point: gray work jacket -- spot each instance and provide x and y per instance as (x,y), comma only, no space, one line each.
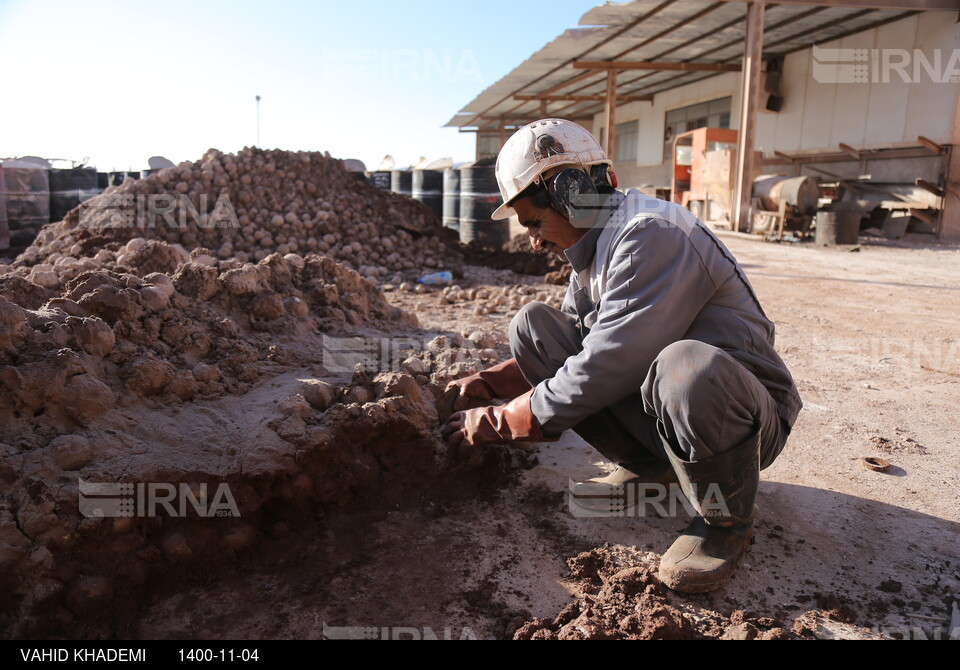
(648,274)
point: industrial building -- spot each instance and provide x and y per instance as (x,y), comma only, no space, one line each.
(859,95)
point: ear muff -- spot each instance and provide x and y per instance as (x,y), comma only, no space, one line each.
(573,194)
(603,175)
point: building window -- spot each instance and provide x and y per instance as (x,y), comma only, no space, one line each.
(626,136)
(713,114)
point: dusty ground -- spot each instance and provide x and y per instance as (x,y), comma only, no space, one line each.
(353,524)
(840,550)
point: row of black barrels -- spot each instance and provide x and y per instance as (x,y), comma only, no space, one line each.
(463,198)
(34,197)
(68,188)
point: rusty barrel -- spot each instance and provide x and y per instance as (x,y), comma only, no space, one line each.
(800,194)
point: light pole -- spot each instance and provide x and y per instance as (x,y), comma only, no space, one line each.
(258,120)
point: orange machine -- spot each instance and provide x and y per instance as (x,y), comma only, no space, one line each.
(689,165)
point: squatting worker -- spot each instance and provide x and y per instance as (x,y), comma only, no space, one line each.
(661,356)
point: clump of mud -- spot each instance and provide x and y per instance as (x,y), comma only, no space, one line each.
(622,599)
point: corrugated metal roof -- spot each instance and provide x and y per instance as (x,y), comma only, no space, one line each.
(676,31)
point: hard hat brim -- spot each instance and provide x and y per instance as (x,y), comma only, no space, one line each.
(504,211)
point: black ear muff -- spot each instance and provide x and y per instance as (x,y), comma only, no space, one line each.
(602,175)
(574,194)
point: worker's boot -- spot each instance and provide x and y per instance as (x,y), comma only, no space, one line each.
(638,473)
(722,489)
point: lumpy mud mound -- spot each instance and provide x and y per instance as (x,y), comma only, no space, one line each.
(324,447)
(113,339)
(245,206)
(173,385)
(622,599)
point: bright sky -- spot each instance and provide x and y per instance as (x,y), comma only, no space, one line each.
(119,81)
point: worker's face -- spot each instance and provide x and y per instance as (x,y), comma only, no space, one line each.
(547,228)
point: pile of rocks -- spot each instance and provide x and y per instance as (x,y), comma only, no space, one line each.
(247,206)
(487,300)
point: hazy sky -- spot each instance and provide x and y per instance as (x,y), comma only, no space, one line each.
(119,81)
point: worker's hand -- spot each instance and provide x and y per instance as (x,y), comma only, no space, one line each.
(462,394)
(492,425)
(503,380)
(471,428)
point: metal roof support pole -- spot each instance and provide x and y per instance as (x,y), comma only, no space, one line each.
(503,132)
(611,107)
(543,109)
(749,96)
(949,228)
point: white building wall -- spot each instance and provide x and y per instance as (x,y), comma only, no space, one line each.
(930,110)
(816,116)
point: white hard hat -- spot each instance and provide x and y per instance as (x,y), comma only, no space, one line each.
(536,148)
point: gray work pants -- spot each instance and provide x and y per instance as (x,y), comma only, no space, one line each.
(697,397)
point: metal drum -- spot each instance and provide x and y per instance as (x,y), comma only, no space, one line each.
(27,196)
(401,181)
(117,178)
(837,227)
(479,198)
(451,199)
(68,188)
(381,179)
(427,187)
(800,193)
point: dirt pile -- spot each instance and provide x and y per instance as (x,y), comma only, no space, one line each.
(217,324)
(193,501)
(194,374)
(620,598)
(112,339)
(245,206)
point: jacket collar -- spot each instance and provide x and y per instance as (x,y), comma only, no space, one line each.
(581,254)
